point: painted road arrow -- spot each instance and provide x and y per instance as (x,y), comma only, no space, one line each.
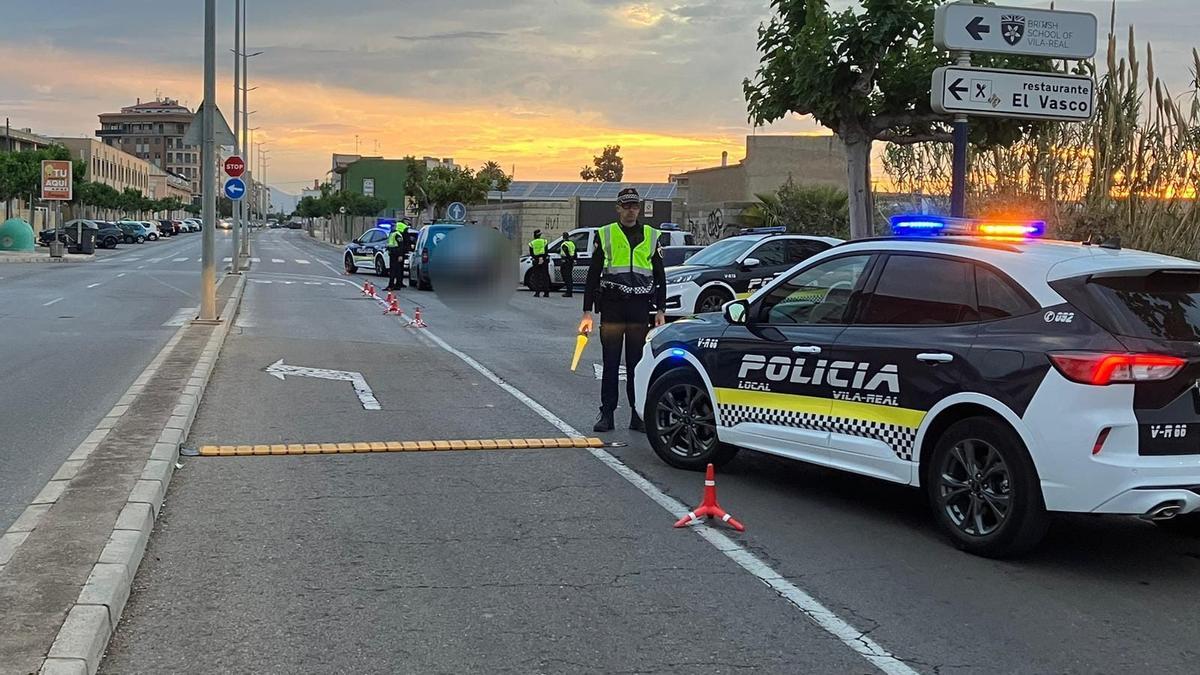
(956,90)
(977,28)
(279,369)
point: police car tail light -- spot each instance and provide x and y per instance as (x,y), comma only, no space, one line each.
(1104,368)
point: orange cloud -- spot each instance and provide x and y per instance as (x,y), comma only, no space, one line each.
(303,123)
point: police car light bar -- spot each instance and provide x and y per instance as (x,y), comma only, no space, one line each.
(763,230)
(924,225)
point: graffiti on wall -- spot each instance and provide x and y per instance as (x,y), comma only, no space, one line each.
(709,228)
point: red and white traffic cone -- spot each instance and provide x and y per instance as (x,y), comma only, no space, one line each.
(393,305)
(390,297)
(417,322)
(709,508)
(366,289)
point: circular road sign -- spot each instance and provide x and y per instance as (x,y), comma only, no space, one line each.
(457,212)
(235,166)
(235,189)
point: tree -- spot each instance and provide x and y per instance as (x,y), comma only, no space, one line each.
(444,186)
(494,175)
(415,173)
(608,167)
(865,75)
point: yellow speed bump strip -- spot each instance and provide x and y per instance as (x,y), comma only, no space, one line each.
(397,446)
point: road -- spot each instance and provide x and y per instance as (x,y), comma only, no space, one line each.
(550,561)
(74,338)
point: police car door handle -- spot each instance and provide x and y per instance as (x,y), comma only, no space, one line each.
(935,358)
(806,349)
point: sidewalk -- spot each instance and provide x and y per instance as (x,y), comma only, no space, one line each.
(40,257)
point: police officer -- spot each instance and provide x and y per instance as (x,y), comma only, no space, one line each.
(540,276)
(397,245)
(566,262)
(626,280)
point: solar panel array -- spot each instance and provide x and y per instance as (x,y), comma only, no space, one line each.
(552,191)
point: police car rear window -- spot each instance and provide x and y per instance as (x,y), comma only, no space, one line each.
(1163,305)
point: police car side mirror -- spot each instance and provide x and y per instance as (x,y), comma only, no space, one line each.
(749,263)
(735,312)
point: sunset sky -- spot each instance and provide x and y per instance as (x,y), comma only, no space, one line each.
(541,85)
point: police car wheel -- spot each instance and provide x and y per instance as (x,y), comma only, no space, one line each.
(1187,524)
(349,263)
(380,271)
(984,490)
(711,301)
(681,423)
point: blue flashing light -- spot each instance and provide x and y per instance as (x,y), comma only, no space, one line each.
(780,229)
(924,225)
(678,352)
(918,225)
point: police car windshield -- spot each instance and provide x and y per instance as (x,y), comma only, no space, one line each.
(721,253)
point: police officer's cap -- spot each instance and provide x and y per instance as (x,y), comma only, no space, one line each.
(628,196)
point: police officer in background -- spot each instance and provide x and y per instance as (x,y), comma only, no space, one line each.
(397,246)
(540,273)
(625,281)
(566,262)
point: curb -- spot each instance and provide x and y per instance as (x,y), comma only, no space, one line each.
(83,638)
(9,258)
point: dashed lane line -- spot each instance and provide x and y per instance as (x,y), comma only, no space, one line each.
(54,301)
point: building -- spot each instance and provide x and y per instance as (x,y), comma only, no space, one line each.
(154,132)
(314,191)
(712,199)
(557,207)
(165,185)
(22,140)
(376,177)
(110,166)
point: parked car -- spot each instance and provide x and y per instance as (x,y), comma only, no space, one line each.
(169,227)
(135,233)
(677,255)
(427,242)
(224,224)
(295,225)
(152,231)
(369,250)
(105,235)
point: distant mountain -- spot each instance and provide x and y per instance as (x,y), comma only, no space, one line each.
(283,202)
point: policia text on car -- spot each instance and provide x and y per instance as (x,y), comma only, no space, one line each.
(625,277)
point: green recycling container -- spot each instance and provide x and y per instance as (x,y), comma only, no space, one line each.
(16,235)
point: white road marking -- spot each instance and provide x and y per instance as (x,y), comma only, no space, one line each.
(279,369)
(855,639)
(278,260)
(141,267)
(302,262)
(120,275)
(598,369)
(132,259)
(255,260)
(313,283)
(154,260)
(52,302)
(227,260)
(334,283)
(261,281)
(182,316)
(180,260)
(94,285)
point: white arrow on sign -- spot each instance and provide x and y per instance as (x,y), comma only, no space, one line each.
(1013,93)
(1015,30)
(365,395)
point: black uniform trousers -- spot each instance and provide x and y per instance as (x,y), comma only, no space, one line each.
(540,276)
(623,327)
(568,275)
(396,267)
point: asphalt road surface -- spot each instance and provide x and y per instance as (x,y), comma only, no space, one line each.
(73,338)
(548,560)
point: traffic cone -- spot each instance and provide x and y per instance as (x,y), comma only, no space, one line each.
(417,322)
(366,289)
(709,508)
(390,297)
(393,305)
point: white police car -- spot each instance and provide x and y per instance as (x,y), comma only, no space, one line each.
(735,267)
(1007,377)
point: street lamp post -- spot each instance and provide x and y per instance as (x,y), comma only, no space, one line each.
(208,164)
(236,267)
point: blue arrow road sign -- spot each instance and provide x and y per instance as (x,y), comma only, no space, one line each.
(457,212)
(235,188)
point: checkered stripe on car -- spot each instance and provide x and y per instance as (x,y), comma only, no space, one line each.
(900,438)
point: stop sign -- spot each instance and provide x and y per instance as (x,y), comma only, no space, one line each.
(235,166)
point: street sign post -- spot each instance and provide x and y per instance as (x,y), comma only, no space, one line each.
(1015,30)
(457,212)
(1013,93)
(57,179)
(235,189)
(235,166)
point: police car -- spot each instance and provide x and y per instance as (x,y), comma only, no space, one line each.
(369,249)
(735,267)
(1005,376)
